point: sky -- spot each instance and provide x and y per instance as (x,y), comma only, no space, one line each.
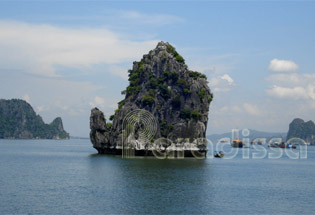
(66,57)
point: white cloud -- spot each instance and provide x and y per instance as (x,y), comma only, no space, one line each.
(229,109)
(277,65)
(97,102)
(27,98)
(292,79)
(126,18)
(40,108)
(289,93)
(252,109)
(236,109)
(227,78)
(119,71)
(38,48)
(150,19)
(221,83)
(221,80)
(286,79)
(210,64)
(311,91)
(292,86)
(221,89)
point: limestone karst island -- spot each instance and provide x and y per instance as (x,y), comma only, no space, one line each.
(178,98)
(18,120)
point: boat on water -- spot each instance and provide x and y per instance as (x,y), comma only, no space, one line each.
(282,145)
(219,154)
(274,145)
(224,140)
(256,143)
(237,143)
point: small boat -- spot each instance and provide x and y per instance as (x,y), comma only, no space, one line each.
(284,145)
(223,140)
(237,143)
(274,145)
(219,154)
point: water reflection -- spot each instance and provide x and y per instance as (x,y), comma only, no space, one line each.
(157,186)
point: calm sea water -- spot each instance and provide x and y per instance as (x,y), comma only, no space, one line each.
(67,177)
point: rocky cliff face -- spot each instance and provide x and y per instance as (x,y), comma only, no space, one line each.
(162,84)
(100,133)
(19,121)
(304,130)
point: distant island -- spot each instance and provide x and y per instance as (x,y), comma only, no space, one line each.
(303,130)
(18,120)
(253,134)
(297,129)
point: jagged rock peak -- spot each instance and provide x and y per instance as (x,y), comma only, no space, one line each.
(57,123)
(163,46)
(97,120)
(164,50)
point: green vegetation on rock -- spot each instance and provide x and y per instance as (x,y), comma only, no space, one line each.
(153,83)
(182,83)
(111,117)
(148,100)
(176,102)
(109,125)
(121,103)
(164,91)
(185,114)
(165,128)
(196,115)
(196,75)
(188,114)
(173,75)
(210,98)
(172,50)
(180,59)
(187,91)
(202,93)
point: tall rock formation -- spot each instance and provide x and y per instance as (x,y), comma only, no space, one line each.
(19,121)
(162,84)
(303,130)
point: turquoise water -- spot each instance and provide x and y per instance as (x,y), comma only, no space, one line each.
(67,177)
